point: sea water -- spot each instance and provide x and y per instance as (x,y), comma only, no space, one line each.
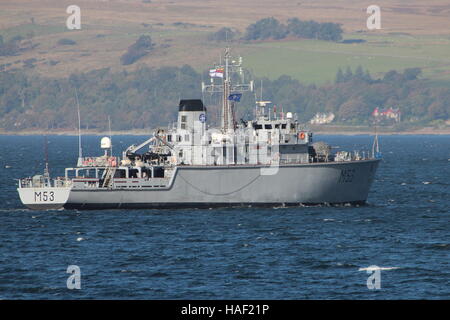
(318,252)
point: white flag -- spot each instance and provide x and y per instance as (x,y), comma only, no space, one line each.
(216,73)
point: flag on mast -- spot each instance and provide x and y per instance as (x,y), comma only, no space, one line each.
(216,73)
(235,97)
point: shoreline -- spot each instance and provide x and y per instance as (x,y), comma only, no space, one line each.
(346,131)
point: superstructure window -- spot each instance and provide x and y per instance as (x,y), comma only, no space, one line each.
(169,138)
(268,126)
(146,173)
(158,172)
(133,173)
(183,122)
(120,173)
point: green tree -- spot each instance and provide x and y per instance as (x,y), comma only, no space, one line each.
(267,28)
(136,51)
(223,34)
(330,32)
(354,109)
(439,110)
(348,75)
(339,76)
(359,73)
(412,73)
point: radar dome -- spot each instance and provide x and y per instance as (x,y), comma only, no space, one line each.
(105,143)
(289,115)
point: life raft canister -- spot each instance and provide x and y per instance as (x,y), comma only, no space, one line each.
(88,162)
(301,135)
(112,162)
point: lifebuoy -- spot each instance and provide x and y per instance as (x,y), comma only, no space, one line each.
(301,135)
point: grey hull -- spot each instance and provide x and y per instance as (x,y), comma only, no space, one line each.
(214,186)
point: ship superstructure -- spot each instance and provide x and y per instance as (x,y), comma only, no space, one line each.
(268,160)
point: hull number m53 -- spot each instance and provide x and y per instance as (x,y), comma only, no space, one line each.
(44,196)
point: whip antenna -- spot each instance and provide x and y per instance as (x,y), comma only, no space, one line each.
(80,150)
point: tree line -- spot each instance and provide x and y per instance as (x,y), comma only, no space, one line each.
(271,28)
(148,97)
(137,50)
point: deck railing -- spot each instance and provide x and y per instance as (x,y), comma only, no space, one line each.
(99,162)
(59,182)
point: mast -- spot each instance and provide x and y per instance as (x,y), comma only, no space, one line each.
(46,171)
(375,146)
(110,139)
(229,67)
(227,123)
(80,151)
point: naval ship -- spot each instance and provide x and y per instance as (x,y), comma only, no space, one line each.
(270,160)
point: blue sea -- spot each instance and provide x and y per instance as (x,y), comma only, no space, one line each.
(316,252)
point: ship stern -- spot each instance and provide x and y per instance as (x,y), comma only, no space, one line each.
(44,198)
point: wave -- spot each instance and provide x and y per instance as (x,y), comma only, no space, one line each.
(373,268)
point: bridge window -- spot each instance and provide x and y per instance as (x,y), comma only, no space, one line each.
(158,172)
(133,173)
(146,173)
(120,173)
(183,122)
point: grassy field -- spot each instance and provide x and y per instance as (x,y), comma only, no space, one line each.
(414,34)
(318,61)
